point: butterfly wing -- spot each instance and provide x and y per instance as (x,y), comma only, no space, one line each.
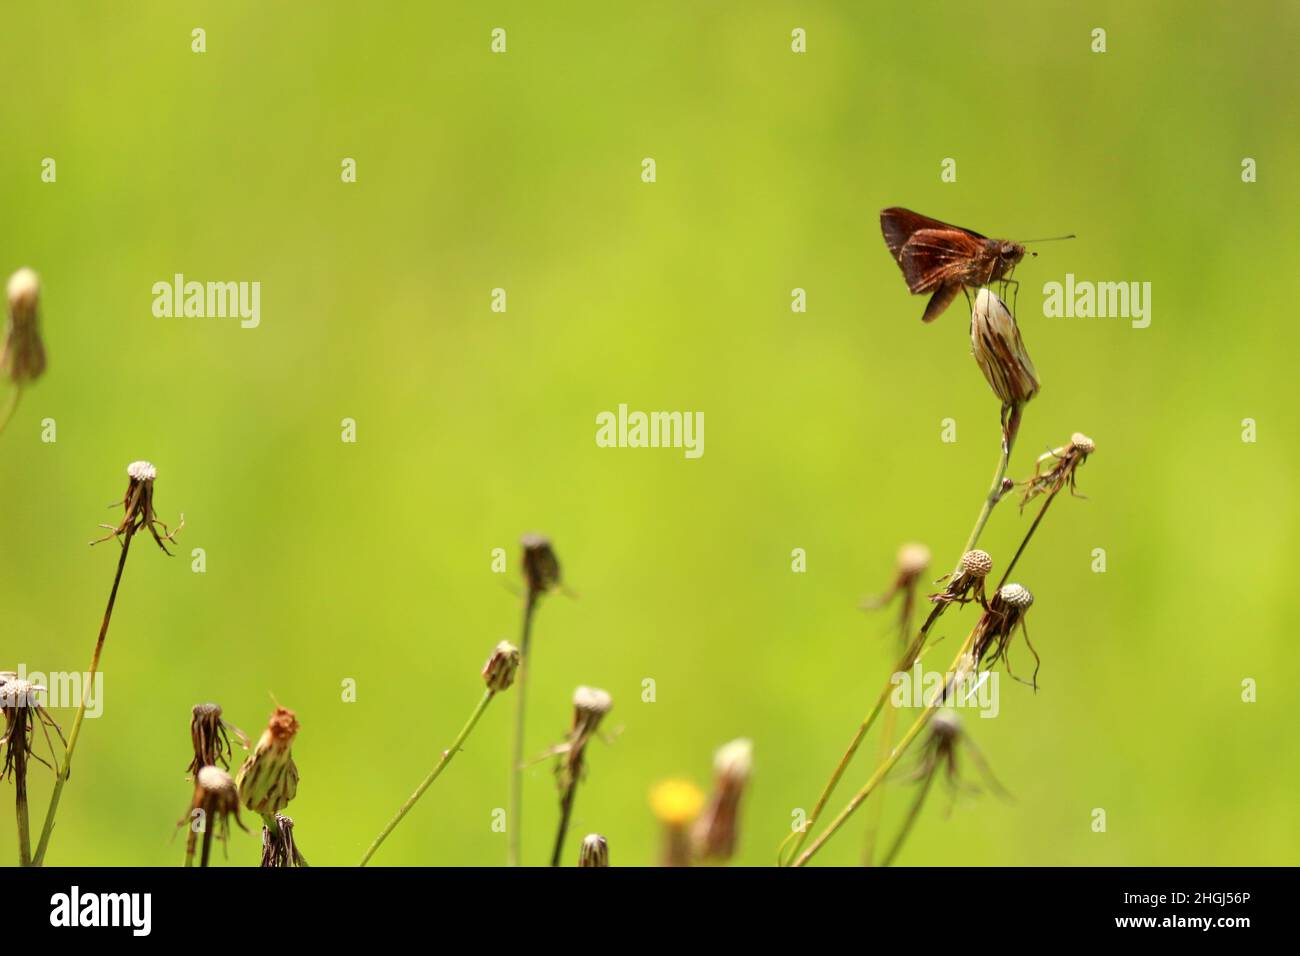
(898,225)
(935,257)
(941,299)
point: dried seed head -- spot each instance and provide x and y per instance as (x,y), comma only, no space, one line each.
(141,471)
(676,803)
(500,669)
(913,559)
(590,705)
(268,779)
(22,356)
(594,852)
(210,736)
(218,784)
(279,849)
(977,563)
(541,567)
(1083,443)
(1000,352)
(1016,596)
(217,796)
(714,835)
(137,507)
(946,725)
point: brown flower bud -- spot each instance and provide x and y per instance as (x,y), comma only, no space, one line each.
(714,835)
(594,852)
(268,779)
(541,567)
(500,669)
(1000,352)
(22,357)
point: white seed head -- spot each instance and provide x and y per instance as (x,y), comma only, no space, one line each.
(735,759)
(19,693)
(1082,442)
(913,559)
(23,290)
(592,700)
(977,563)
(946,724)
(215,780)
(1016,595)
(141,471)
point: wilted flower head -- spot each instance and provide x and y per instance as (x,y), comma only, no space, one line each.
(590,705)
(676,803)
(138,510)
(1064,462)
(909,565)
(23,713)
(210,736)
(278,847)
(1000,352)
(714,834)
(500,669)
(594,851)
(268,779)
(541,566)
(22,356)
(967,583)
(1006,612)
(215,801)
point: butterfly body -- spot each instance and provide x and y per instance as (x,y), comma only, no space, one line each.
(942,259)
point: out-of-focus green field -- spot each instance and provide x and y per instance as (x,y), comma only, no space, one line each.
(371,561)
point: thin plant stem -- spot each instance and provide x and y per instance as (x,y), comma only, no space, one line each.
(10,407)
(1028,534)
(888,730)
(20,804)
(910,820)
(64,771)
(566,808)
(888,764)
(190,842)
(207,843)
(514,815)
(1010,429)
(424,784)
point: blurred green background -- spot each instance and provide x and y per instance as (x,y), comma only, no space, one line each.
(371,561)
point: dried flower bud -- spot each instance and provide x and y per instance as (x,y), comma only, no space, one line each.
(216,800)
(541,567)
(968,583)
(1015,596)
(594,852)
(22,357)
(590,705)
(500,669)
(210,736)
(910,564)
(20,702)
(993,632)
(945,725)
(714,834)
(279,849)
(913,559)
(977,563)
(1000,352)
(1062,473)
(268,780)
(137,507)
(1083,443)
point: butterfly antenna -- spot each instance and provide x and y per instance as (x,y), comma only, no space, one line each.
(1050,239)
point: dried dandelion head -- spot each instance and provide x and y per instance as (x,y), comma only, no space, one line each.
(676,804)
(715,833)
(594,851)
(20,702)
(1062,464)
(590,705)
(1000,352)
(268,779)
(909,566)
(500,669)
(138,510)
(541,566)
(1006,612)
(216,799)
(210,736)
(22,356)
(278,847)
(967,583)
(941,750)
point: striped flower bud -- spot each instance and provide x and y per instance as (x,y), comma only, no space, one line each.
(268,780)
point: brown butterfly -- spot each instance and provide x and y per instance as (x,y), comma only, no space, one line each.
(943,259)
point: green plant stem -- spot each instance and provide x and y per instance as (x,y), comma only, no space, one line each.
(888,730)
(10,407)
(424,784)
(64,771)
(1009,432)
(514,813)
(888,764)
(911,818)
